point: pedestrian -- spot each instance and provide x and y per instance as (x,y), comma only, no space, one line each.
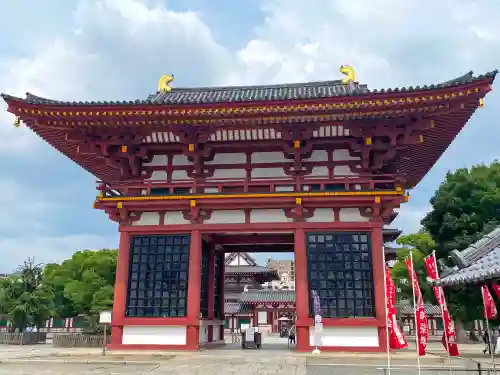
(494,340)
(486,339)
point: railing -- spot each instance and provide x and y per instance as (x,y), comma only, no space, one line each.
(245,185)
(78,340)
(25,338)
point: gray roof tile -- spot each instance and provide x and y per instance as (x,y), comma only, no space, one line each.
(234,94)
(477,263)
(249,270)
(405,308)
(268,296)
(233,308)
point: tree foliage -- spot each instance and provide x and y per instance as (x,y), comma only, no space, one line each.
(24,299)
(464,208)
(84,283)
(420,244)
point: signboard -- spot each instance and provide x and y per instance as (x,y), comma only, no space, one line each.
(318,319)
(105,317)
(244,326)
(249,334)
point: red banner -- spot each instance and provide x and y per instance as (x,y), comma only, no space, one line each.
(449,339)
(490,310)
(422,329)
(396,337)
(496,289)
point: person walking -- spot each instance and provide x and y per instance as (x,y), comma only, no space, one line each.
(486,340)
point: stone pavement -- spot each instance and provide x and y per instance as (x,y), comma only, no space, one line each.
(274,358)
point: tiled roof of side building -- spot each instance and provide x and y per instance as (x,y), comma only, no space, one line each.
(233,308)
(235,94)
(479,262)
(405,308)
(248,269)
(268,296)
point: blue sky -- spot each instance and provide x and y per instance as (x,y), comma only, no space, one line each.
(117,49)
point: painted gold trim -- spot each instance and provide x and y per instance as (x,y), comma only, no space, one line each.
(256,195)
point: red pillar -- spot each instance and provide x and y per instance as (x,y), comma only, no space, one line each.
(378,284)
(194,282)
(211,291)
(121,287)
(301,291)
(222,283)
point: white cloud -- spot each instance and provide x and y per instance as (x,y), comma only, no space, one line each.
(49,249)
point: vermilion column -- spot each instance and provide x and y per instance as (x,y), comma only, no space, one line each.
(121,286)
(211,291)
(378,284)
(301,291)
(194,283)
(222,269)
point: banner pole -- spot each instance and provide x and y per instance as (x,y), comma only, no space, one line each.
(492,349)
(412,276)
(387,336)
(441,306)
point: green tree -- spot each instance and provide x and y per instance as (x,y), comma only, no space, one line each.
(420,244)
(464,208)
(84,283)
(24,300)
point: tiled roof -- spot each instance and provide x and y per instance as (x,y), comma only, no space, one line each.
(233,308)
(406,308)
(247,257)
(248,270)
(294,91)
(268,296)
(479,262)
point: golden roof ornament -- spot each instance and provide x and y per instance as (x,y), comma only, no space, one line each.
(17,122)
(164,83)
(349,72)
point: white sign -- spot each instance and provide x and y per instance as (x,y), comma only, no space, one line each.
(244,326)
(262,317)
(105,317)
(318,319)
(249,334)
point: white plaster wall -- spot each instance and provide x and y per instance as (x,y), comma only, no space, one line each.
(269,216)
(229,173)
(351,214)
(343,170)
(318,155)
(158,160)
(231,158)
(180,175)
(216,333)
(180,160)
(345,336)
(226,217)
(154,335)
(319,172)
(268,172)
(148,218)
(322,215)
(268,157)
(203,336)
(174,217)
(158,176)
(239,261)
(343,154)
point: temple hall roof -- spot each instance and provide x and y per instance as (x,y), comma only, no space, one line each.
(232,94)
(248,270)
(266,295)
(480,262)
(405,308)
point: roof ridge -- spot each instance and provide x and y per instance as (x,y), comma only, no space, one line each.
(242,94)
